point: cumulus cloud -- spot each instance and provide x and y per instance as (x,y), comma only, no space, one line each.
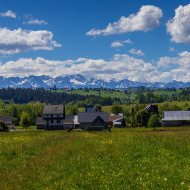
(117,44)
(147,18)
(178,27)
(9,14)
(136,52)
(35,22)
(121,66)
(19,40)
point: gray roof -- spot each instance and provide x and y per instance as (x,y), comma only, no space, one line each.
(69,119)
(6,119)
(89,117)
(176,115)
(53,109)
(40,120)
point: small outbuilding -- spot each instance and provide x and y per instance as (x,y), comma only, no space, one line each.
(116,120)
(40,123)
(8,120)
(176,118)
(69,122)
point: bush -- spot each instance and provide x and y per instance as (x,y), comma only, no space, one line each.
(25,119)
(3,127)
(154,121)
(142,118)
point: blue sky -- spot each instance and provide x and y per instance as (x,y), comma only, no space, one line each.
(150,42)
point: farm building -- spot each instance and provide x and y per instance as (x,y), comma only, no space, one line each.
(40,123)
(93,120)
(53,117)
(8,120)
(116,120)
(152,109)
(176,118)
(69,122)
(95,108)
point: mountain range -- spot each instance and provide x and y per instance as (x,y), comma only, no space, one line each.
(79,81)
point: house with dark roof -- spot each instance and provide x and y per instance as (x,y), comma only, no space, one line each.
(93,120)
(176,118)
(69,122)
(40,123)
(53,117)
(8,120)
(152,109)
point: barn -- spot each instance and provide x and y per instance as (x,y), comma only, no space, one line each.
(93,120)
(8,120)
(176,118)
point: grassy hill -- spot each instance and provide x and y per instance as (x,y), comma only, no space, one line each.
(123,159)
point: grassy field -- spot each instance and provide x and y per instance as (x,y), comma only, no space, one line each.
(181,105)
(119,94)
(123,159)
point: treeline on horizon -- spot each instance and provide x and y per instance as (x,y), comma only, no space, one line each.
(27,95)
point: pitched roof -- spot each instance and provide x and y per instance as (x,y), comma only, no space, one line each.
(40,120)
(53,109)
(176,115)
(114,117)
(89,117)
(151,108)
(7,119)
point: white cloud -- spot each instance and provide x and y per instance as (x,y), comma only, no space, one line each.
(146,19)
(117,44)
(121,66)
(128,41)
(35,22)
(19,40)
(9,14)
(136,52)
(178,27)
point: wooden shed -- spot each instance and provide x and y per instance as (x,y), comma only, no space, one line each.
(176,118)
(93,120)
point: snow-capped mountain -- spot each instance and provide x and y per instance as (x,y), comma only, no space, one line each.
(79,81)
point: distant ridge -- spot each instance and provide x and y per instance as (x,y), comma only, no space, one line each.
(79,81)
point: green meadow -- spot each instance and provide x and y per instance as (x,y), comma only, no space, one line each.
(123,159)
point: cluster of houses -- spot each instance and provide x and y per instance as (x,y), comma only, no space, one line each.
(93,118)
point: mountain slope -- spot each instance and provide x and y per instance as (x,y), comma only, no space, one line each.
(79,81)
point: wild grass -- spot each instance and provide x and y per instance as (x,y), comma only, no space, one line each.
(123,159)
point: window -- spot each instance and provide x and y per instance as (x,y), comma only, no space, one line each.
(58,121)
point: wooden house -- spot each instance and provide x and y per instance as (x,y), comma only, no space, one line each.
(93,120)
(54,116)
(8,120)
(40,123)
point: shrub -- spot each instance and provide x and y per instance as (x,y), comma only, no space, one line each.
(25,119)
(142,118)
(154,121)
(3,127)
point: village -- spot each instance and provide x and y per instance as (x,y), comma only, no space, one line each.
(94,119)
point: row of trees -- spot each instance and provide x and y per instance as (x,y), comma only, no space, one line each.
(155,97)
